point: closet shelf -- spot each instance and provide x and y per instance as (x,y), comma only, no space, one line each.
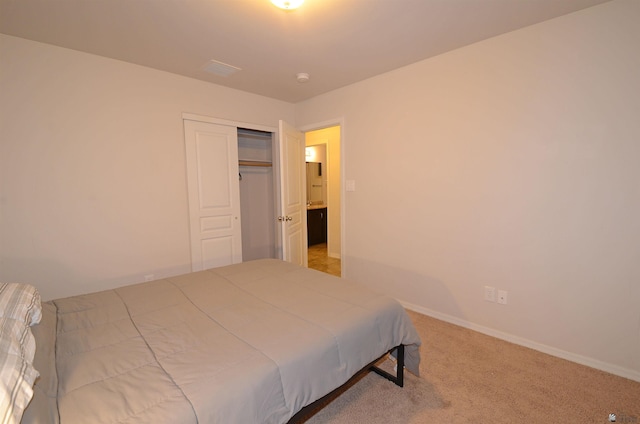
(253,163)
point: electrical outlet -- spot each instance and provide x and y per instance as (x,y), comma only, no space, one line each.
(489,294)
(149,277)
(502,297)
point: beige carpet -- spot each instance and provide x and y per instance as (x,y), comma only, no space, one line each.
(468,377)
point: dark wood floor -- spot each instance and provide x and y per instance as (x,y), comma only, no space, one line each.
(319,259)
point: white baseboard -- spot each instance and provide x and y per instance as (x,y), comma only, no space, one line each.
(583,360)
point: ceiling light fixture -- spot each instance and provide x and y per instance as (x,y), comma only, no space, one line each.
(302,77)
(287,4)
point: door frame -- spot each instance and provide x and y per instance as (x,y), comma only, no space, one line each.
(276,164)
(227,122)
(319,126)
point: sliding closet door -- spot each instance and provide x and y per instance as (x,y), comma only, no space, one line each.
(214,194)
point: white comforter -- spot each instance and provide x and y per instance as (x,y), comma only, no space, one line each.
(247,343)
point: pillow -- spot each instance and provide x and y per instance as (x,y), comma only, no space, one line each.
(17,374)
(43,408)
(19,309)
(20,302)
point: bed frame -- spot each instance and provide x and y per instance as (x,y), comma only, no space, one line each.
(398,379)
(397,352)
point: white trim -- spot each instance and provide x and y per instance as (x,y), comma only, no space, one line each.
(239,124)
(322,125)
(573,357)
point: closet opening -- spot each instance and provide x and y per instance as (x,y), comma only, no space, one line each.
(257,194)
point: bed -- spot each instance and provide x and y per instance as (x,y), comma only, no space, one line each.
(246,343)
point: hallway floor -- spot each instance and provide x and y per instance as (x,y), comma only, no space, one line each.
(319,259)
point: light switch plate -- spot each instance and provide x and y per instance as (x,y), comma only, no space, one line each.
(351,185)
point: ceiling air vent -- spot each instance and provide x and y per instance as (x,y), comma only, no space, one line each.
(221,69)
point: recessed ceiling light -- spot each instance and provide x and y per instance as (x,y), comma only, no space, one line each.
(287,4)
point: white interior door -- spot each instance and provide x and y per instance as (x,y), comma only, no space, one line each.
(214,194)
(293,218)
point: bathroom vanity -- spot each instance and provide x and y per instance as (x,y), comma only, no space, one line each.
(316,224)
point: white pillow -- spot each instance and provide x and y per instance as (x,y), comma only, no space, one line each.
(19,309)
(17,374)
(20,302)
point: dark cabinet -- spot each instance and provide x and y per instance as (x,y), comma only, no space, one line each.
(317,226)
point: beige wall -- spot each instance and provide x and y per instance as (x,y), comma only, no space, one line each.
(511,163)
(93,188)
(331,138)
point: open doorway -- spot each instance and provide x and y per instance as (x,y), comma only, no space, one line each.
(324,231)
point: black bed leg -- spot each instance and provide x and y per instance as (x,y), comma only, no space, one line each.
(400,371)
(398,379)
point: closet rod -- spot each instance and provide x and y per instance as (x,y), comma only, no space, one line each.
(253,163)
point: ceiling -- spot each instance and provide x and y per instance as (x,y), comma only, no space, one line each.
(338,42)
